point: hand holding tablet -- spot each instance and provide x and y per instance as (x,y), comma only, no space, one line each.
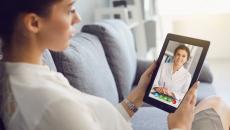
(184,115)
(178,68)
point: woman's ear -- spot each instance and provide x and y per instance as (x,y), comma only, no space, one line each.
(32,22)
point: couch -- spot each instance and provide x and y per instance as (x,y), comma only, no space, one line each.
(102,61)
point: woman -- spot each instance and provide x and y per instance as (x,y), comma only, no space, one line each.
(35,98)
(173,79)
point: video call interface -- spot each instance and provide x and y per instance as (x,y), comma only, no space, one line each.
(175,73)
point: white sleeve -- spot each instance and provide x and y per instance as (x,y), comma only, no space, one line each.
(66,114)
(181,94)
(123,112)
(158,76)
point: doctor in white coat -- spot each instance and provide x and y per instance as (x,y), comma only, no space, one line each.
(173,79)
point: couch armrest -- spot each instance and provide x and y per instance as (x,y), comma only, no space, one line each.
(205,90)
(142,65)
(206,74)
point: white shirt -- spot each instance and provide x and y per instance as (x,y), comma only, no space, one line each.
(177,82)
(46,101)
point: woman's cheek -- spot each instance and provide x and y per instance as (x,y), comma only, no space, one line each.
(61,34)
(63,29)
(68,29)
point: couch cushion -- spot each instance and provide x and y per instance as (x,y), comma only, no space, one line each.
(118,43)
(48,60)
(205,90)
(206,74)
(150,118)
(85,66)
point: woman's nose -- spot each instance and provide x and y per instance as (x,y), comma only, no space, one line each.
(180,58)
(76,18)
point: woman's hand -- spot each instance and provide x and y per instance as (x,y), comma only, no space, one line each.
(184,115)
(159,89)
(170,93)
(164,90)
(137,94)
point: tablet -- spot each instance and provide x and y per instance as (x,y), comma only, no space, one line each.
(178,68)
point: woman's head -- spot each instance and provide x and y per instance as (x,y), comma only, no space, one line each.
(181,55)
(47,23)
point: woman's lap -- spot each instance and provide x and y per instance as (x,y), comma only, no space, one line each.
(207,120)
(217,110)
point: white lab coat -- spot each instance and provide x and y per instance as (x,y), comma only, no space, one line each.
(178,82)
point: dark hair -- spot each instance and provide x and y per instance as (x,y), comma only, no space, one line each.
(183,47)
(10,10)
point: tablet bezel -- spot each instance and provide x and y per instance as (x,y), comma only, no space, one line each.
(182,39)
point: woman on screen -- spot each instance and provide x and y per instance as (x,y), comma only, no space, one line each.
(173,79)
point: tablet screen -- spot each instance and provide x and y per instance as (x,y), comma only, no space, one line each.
(175,72)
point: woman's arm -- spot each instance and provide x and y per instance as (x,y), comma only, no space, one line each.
(137,94)
(182,118)
(180,95)
(66,114)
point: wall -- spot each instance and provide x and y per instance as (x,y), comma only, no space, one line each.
(195,53)
(86,9)
(215,28)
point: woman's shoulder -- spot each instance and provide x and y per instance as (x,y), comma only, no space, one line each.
(166,65)
(55,106)
(41,88)
(189,75)
(186,73)
(35,95)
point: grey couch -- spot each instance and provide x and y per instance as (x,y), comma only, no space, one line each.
(102,61)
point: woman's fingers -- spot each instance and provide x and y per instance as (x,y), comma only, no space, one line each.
(168,92)
(150,69)
(146,76)
(191,95)
(165,91)
(157,89)
(183,116)
(193,101)
(161,90)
